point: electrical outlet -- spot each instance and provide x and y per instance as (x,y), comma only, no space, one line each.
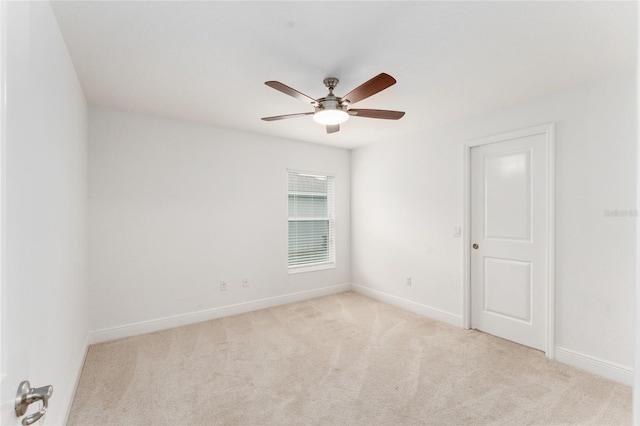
(223,286)
(245,282)
(408,281)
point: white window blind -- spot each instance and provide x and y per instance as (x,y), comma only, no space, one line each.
(311,220)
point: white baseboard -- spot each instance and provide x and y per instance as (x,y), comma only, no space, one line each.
(617,373)
(144,327)
(409,305)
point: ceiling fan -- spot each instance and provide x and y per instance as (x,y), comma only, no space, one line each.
(333,110)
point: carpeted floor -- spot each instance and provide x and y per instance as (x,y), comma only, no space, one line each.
(338,360)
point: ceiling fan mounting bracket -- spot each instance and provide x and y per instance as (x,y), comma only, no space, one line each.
(331,83)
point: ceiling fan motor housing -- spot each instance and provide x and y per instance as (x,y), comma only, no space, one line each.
(330,103)
(330,111)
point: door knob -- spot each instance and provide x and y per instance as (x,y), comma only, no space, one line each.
(27,395)
(475,246)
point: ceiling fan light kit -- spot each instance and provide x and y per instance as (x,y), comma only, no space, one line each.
(330,116)
(331,110)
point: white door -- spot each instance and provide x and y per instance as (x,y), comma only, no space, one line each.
(19,322)
(510,222)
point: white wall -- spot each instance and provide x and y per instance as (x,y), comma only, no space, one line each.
(407,197)
(44,294)
(176,207)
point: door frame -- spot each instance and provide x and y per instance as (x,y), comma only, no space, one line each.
(548,130)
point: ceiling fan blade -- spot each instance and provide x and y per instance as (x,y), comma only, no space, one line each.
(282,117)
(332,128)
(377,113)
(369,88)
(289,91)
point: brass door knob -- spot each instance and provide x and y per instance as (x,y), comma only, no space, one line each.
(475,246)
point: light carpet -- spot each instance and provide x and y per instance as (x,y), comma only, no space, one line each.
(343,359)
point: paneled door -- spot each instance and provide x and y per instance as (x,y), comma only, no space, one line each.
(510,219)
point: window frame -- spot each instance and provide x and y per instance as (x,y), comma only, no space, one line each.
(331,219)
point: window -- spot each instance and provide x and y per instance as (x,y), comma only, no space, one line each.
(311,222)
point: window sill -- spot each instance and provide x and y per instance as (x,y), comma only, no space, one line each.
(311,268)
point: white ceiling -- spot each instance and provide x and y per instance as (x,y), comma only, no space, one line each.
(208,61)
